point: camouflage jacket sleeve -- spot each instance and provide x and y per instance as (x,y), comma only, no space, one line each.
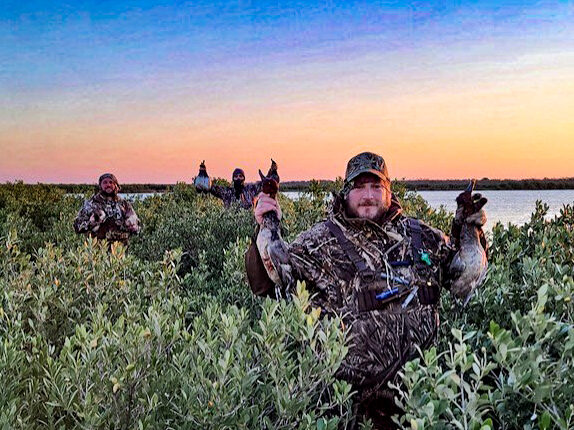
(310,261)
(250,192)
(442,250)
(313,259)
(227,194)
(131,221)
(254,187)
(218,191)
(88,218)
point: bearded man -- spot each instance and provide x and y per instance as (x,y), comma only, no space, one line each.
(378,270)
(106,215)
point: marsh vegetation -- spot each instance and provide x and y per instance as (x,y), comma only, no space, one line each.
(168,335)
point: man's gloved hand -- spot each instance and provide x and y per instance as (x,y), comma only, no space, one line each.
(469,209)
(96,219)
(264,204)
(429,293)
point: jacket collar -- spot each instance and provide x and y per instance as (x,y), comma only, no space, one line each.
(100,197)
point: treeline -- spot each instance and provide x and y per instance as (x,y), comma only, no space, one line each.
(454,184)
(125,188)
(324,184)
(491,184)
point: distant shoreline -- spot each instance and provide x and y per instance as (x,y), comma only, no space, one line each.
(410,184)
(458,184)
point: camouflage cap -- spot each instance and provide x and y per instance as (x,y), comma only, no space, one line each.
(238,171)
(366,162)
(110,176)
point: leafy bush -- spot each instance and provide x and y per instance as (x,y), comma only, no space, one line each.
(38,213)
(521,321)
(97,339)
(447,389)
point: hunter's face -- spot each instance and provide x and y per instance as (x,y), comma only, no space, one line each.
(369,198)
(108,186)
(238,178)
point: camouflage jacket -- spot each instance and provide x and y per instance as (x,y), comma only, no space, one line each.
(105,218)
(227,194)
(383,334)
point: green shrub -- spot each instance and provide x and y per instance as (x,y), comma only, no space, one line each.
(521,322)
(447,389)
(38,214)
(195,223)
(94,339)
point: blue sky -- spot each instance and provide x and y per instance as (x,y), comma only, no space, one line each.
(72,64)
(51,44)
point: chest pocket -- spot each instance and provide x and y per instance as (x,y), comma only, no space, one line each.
(375,290)
(379,295)
(113,210)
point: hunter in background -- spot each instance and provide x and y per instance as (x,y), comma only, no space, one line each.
(239,193)
(106,215)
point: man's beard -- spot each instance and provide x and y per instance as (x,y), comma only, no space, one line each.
(377,214)
(106,194)
(238,187)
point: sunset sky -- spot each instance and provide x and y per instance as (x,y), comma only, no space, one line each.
(147,90)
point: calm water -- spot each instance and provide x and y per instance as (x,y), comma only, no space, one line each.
(514,206)
(136,196)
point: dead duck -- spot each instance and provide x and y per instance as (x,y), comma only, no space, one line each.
(202,181)
(469,265)
(272,173)
(270,244)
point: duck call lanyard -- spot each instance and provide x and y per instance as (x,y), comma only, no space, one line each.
(419,255)
(369,299)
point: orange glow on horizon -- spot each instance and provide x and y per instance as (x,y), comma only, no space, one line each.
(505,130)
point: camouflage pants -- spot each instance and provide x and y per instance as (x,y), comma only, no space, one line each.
(377,406)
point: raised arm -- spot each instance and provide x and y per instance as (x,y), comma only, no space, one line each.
(260,266)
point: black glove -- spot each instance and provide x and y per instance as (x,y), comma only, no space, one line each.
(469,209)
(428,293)
(467,205)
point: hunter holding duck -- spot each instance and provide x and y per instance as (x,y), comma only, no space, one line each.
(379,270)
(238,193)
